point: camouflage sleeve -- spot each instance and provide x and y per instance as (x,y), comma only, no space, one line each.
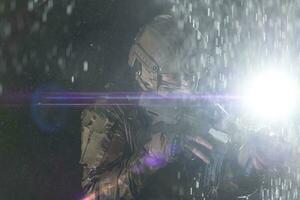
(99,145)
(109,172)
(122,182)
(126,180)
(110,185)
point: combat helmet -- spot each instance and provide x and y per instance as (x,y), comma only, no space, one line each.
(159,56)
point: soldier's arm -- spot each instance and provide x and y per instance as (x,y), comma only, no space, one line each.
(126,180)
(99,146)
(107,173)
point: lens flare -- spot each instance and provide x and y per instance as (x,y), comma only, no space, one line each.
(271,95)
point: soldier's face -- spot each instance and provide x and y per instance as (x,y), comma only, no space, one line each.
(151,79)
(164,84)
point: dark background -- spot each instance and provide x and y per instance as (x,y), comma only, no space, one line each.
(43,44)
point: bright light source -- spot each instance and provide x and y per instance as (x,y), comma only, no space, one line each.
(271,95)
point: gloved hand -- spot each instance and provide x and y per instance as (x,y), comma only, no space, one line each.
(166,146)
(169,142)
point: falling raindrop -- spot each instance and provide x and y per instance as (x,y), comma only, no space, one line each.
(69,9)
(50,4)
(85,66)
(1,89)
(30,6)
(44,16)
(47,69)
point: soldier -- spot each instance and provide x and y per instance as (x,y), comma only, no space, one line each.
(121,147)
(126,149)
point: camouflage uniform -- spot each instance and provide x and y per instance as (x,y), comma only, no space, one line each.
(107,145)
(122,158)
